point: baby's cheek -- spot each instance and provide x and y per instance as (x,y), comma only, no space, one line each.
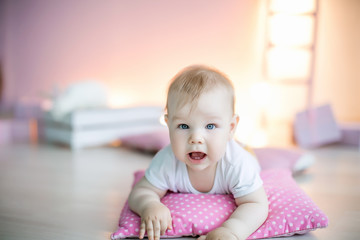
(178,147)
(218,146)
(177,139)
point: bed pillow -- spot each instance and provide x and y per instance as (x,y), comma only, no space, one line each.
(293,159)
(148,142)
(291,211)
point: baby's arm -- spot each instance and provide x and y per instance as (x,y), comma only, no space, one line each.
(251,212)
(144,199)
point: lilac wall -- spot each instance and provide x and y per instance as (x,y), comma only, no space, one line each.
(134,47)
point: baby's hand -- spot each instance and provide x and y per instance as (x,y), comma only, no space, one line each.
(155,219)
(219,234)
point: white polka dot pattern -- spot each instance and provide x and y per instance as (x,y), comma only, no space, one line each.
(291,211)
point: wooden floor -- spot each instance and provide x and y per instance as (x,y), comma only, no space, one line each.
(49,192)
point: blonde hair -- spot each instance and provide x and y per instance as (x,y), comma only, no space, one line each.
(192,81)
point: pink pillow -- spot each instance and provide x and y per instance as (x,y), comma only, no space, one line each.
(291,211)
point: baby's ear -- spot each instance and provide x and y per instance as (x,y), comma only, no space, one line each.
(166,119)
(233,125)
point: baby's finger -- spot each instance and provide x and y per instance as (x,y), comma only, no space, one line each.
(163,227)
(203,237)
(169,225)
(157,229)
(150,231)
(142,230)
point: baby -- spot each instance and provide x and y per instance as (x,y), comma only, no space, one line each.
(202,158)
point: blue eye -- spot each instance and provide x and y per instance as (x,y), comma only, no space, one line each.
(210,126)
(183,126)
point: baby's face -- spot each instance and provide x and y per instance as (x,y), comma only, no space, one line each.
(199,133)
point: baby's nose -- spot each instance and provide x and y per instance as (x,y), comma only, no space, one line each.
(196,138)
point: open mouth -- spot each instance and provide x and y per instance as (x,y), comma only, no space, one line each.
(196,156)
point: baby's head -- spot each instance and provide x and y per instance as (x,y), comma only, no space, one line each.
(200,116)
(190,83)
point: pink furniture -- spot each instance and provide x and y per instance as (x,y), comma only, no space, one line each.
(350,134)
(316,127)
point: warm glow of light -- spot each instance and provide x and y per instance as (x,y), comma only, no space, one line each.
(292,6)
(259,139)
(260,92)
(286,63)
(245,129)
(116,100)
(249,134)
(287,30)
(291,29)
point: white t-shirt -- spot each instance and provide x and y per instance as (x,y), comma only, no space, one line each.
(237,172)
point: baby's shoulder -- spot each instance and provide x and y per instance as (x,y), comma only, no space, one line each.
(165,152)
(236,156)
(235,152)
(164,157)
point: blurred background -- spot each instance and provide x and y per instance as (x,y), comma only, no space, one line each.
(283,56)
